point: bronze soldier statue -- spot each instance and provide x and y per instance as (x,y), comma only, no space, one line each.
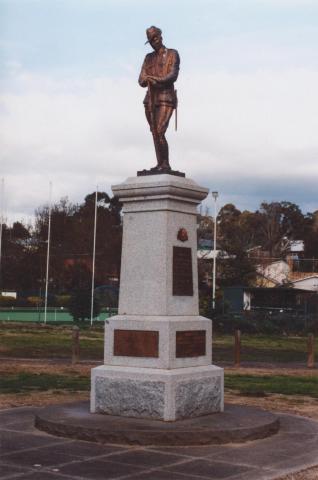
(159,72)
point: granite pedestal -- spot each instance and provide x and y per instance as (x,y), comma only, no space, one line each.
(158,350)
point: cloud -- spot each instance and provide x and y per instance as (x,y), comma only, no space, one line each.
(246,134)
(285,3)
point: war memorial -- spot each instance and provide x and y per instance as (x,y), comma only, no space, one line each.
(158,384)
(156,408)
(158,348)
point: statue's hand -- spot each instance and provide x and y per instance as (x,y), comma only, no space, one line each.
(152,80)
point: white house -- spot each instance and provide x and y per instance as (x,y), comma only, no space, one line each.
(276,272)
(307,283)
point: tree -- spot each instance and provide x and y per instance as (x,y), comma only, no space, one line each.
(72,229)
(16,245)
(311,235)
(80,305)
(237,270)
(236,236)
(280,221)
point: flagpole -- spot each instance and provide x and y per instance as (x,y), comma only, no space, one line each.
(48,255)
(94,254)
(1,228)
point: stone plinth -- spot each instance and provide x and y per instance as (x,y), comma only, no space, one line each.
(158,394)
(155,208)
(158,350)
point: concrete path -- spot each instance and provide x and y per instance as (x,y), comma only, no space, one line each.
(30,454)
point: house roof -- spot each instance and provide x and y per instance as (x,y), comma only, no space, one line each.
(305,278)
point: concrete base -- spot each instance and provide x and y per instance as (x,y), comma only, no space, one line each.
(158,394)
(237,424)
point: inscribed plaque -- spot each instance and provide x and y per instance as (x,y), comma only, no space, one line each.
(182,280)
(190,343)
(136,343)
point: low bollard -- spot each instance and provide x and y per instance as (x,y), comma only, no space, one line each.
(237,348)
(75,345)
(311,351)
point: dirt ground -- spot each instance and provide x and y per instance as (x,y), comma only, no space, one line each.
(296,405)
(45,366)
(310,474)
(300,405)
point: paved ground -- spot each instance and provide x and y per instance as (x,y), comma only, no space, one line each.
(30,454)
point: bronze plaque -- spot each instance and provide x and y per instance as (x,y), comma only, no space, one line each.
(190,343)
(182,271)
(136,343)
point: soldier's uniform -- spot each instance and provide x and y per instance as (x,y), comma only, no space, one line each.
(161,98)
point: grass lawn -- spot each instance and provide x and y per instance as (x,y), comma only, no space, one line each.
(262,348)
(261,385)
(244,384)
(26,382)
(39,341)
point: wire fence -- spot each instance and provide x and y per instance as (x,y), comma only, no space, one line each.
(54,315)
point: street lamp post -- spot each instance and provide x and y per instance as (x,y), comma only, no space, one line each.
(215,196)
(1,228)
(48,256)
(94,254)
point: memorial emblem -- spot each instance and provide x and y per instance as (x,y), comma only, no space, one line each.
(182,235)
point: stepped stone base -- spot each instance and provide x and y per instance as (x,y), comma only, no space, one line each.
(158,349)
(157,393)
(237,424)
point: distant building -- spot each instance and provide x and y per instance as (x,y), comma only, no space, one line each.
(9,294)
(205,244)
(292,269)
(296,246)
(272,274)
(282,299)
(309,283)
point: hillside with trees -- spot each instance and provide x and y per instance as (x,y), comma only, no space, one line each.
(242,237)
(24,247)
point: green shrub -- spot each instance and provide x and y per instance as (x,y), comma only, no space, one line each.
(205,306)
(80,306)
(7,301)
(62,300)
(35,301)
(22,302)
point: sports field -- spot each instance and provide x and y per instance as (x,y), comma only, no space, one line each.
(54,315)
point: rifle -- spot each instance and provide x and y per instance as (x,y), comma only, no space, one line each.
(176,114)
(152,107)
(153,120)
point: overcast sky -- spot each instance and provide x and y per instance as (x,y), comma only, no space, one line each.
(71,109)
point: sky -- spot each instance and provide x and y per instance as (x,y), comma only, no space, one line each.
(71,109)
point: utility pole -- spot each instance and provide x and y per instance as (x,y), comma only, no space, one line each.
(215,197)
(1,228)
(94,254)
(48,254)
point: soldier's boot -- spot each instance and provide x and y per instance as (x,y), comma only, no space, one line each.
(163,163)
